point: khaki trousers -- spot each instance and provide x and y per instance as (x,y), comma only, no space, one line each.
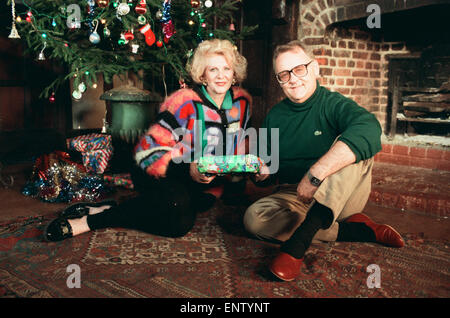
(276,217)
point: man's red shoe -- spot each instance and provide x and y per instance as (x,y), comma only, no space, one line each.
(384,233)
(286,267)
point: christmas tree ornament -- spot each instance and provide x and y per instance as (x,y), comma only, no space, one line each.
(142,20)
(166,11)
(141,8)
(159,43)
(76,94)
(81,87)
(208,3)
(231,27)
(122,40)
(90,19)
(52,99)
(103,3)
(106,31)
(134,48)
(159,15)
(168,30)
(167,25)
(94,37)
(195,3)
(129,36)
(123,9)
(14,34)
(148,33)
(41,56)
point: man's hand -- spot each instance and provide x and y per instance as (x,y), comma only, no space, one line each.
(263,174)
(197,176)
(305,190)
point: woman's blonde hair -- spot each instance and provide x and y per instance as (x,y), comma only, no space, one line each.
(196,66)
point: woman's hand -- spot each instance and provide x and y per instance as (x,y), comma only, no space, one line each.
(197,176)
(263,174)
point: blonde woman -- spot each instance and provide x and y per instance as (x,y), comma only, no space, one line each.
(172,191)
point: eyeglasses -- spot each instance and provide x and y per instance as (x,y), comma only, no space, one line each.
(299,71)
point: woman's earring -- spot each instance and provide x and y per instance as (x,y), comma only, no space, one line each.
(234,81)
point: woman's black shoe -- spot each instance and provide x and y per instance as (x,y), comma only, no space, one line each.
(80,209)
(57,230)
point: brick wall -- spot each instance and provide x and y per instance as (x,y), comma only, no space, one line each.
(353,60)
(423,157)
(355,65)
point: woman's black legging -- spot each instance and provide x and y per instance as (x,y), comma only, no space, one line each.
(165,207)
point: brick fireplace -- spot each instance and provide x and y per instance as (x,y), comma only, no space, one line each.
(357,61)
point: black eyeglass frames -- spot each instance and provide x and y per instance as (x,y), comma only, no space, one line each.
(299,71)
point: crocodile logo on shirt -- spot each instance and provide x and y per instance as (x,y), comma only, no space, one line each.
(317,133)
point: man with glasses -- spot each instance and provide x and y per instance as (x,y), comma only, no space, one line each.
(326,148)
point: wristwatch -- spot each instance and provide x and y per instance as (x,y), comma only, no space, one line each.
(314,181)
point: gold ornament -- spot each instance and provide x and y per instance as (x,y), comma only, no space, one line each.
(14,34)
(102,3)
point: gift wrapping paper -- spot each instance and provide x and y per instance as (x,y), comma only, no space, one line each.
(229,164)
(96,151)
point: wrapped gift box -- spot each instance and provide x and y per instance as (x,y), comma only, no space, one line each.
(229,164)
(96,151)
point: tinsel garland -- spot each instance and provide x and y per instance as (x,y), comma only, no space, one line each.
(56,178)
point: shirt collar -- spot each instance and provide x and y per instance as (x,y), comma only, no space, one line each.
(227,101)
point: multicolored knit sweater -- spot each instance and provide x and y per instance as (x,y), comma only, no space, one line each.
(176,131)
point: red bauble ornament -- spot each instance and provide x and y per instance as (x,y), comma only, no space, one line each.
(129,36)
(159,43)
(52,98)
(141,8)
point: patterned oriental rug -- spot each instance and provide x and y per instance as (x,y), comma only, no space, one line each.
(216,259)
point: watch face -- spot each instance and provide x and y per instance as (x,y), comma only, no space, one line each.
(314,181)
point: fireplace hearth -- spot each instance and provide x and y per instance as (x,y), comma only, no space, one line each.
(419,91)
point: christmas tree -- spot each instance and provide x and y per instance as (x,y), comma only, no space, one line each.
(114,37)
